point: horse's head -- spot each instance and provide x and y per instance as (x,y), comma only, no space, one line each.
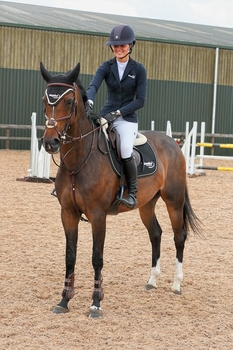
(60,103)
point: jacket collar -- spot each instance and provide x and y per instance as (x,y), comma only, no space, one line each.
(114,68)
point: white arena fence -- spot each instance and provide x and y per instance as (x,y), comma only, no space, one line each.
(189,151)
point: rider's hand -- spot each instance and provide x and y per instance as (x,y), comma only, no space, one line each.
(89,107)
(110,117)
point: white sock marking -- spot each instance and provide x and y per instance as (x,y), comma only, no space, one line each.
(155,271)
(178,278)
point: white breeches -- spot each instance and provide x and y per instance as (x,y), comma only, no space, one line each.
(128,133)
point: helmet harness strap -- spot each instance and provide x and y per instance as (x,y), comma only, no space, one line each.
(130,51)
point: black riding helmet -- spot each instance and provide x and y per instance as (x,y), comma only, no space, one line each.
(121,35)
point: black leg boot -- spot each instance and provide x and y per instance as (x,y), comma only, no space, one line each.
(130,171)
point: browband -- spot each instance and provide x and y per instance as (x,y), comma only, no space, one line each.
(57,97)
(61,84)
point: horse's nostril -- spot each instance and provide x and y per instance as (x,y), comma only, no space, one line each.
(56,142)
(51,146)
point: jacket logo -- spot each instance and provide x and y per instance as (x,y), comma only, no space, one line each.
(132,76)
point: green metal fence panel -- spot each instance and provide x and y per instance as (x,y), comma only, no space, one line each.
(21,92)
(178,102)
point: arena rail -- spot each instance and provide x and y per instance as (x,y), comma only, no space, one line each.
(9,127)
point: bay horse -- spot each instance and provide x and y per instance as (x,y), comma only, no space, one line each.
(87,184)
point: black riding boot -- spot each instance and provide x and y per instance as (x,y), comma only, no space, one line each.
(130,171)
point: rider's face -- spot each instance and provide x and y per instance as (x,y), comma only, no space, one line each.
(120,51)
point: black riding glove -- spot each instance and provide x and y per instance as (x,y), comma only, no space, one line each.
(110,117)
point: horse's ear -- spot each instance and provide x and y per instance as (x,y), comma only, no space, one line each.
(73,75)
(45,74)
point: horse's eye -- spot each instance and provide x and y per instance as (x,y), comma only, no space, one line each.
(69,102)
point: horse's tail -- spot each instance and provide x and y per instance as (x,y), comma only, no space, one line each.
(190,218)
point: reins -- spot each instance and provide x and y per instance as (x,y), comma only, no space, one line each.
(74,172)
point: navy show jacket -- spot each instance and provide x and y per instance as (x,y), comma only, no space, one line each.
(127,95)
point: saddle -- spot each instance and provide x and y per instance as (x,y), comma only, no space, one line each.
(114,139)
(143,153)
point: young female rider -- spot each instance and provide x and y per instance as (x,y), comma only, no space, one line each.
(126,87)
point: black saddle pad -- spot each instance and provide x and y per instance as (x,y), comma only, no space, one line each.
(147,164)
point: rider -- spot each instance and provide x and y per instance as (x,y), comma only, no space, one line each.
(126,87)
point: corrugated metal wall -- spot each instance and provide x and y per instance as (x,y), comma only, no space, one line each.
(171,62)
(180,78)
(23,48)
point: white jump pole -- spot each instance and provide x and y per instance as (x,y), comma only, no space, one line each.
(169,129)
(34,148)
(193,149)
(39,160)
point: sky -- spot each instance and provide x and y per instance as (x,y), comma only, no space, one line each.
(208,12)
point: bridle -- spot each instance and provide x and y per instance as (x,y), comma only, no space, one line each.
(52,122)
(63,135)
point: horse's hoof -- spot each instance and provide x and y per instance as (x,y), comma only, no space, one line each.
(60,310)
(95,312)
(149,286)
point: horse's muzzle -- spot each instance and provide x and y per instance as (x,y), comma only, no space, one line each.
(51,146)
